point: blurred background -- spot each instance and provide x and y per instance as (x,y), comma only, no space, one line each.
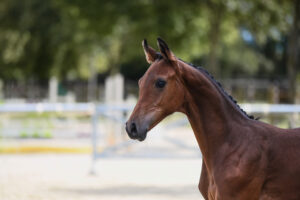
(68,82)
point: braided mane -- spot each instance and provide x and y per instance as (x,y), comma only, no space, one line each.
(219,85)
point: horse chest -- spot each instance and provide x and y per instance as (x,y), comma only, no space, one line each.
(216,189)
(234,183)
(212,190)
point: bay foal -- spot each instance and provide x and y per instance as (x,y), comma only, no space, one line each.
(242,158)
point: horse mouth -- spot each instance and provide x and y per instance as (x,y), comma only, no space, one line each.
(139,137)
(142,137)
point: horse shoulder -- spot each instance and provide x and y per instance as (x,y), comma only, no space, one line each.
(283,171)
(241,171)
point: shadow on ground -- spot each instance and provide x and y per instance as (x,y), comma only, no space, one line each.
(132,190)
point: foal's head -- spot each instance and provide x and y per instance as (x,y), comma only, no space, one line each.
(160,91)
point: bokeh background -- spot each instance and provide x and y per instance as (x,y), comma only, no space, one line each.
(68,82)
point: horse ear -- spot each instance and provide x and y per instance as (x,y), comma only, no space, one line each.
(150,53)
(165,51)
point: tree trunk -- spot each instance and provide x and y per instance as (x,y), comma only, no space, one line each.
(293,53)
(214,37)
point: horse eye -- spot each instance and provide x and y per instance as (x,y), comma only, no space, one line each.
(160,83)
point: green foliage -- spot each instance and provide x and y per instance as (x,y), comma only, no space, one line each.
(71,39)
(24,135)
(36,135)
(37,40)
(47,135)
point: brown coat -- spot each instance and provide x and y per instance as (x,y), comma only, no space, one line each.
(242,158)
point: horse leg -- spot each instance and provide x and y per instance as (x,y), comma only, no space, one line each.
(203,183)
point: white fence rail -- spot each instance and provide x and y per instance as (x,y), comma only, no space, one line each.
(91,108)
(97,110)
(60,107)
(271,108)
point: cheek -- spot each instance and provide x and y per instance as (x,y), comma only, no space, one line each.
(155,117)
(173,98)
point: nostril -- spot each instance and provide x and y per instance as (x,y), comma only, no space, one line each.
(126,126)
(133,128)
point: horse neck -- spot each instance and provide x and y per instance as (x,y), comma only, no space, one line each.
(212,115)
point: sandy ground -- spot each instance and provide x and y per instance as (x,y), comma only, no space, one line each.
(63,177)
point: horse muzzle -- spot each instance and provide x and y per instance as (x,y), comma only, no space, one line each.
(135,131)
